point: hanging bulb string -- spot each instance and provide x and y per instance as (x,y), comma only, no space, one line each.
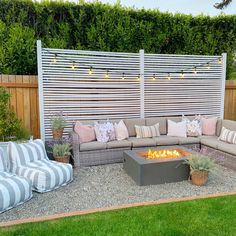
(80,65)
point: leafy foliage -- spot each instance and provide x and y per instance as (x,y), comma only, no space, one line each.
(200,162)
(58,121)
(60,150)
(97,26)
(10,125)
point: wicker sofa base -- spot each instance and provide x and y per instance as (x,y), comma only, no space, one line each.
(99,157)
(222,158)
(109,156)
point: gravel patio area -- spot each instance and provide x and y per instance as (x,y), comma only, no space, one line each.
(108,185)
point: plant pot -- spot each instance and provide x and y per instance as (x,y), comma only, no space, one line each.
(57,133)
(63,159)
(199,177)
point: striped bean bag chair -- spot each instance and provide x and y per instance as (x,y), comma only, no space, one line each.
(30,161)
(14,190)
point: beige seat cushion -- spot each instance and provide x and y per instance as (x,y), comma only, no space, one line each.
(189,140)
(160,120)
(119,144)
(166,140)
(130,124)
(91,146)
(227,147)
(142,142)
(210,142)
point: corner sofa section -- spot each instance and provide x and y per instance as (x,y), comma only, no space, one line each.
(97,153)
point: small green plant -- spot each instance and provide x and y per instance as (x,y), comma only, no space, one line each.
(58,121)
(200,163)
(60,150)
(10,126)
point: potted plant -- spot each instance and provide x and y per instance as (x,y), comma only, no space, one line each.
(58,123)
(200,166)
(61,152)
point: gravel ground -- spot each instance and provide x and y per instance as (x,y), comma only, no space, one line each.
(108,185)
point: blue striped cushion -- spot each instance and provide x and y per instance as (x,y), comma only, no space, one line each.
(14,191)
(21,154)
(46,175)
(3,160)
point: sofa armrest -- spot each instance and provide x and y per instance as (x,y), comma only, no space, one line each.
(75,147)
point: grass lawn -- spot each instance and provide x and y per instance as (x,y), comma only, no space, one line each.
(214,216)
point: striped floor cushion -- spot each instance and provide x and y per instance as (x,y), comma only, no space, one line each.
(46,175)
(14,191)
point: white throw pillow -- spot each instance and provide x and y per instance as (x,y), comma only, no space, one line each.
(121,131)
(177,129)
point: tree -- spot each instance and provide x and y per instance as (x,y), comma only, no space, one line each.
(223,4)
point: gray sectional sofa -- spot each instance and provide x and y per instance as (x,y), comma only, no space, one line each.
(97,153)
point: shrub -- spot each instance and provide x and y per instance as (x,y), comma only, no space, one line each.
(10,126)
(61,150)
(97,26)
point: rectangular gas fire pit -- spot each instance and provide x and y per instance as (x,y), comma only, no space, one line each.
(157,166)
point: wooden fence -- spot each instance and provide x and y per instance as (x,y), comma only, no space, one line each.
(24,99)
(230,100)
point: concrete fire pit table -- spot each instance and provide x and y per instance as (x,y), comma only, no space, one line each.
(146,171)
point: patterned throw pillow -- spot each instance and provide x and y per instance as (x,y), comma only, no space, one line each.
(194,127)
(147,131)
(104,132)
(228,136)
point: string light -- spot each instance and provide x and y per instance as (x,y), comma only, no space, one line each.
(90,70)
(73,65)
(123,76)
(138,78)
(182,74)
(168,76)
(107,75)
(55,59)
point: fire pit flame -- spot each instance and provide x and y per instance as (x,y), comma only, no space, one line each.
(155,154)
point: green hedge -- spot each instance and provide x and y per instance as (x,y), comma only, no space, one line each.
(98,26)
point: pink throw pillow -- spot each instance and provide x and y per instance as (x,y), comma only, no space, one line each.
(209,126)
(86,133)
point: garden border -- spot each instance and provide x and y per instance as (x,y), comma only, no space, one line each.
(117,207)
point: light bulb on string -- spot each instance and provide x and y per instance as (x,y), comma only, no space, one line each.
(154,77)
(168,76)
(55,59)
(195,70)
(90,70)
(123,76)
(107,74)
(220,60)
(208,65)
(182,74)
(73,66)
(138,78)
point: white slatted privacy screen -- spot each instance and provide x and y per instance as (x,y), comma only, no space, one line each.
(84,96)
